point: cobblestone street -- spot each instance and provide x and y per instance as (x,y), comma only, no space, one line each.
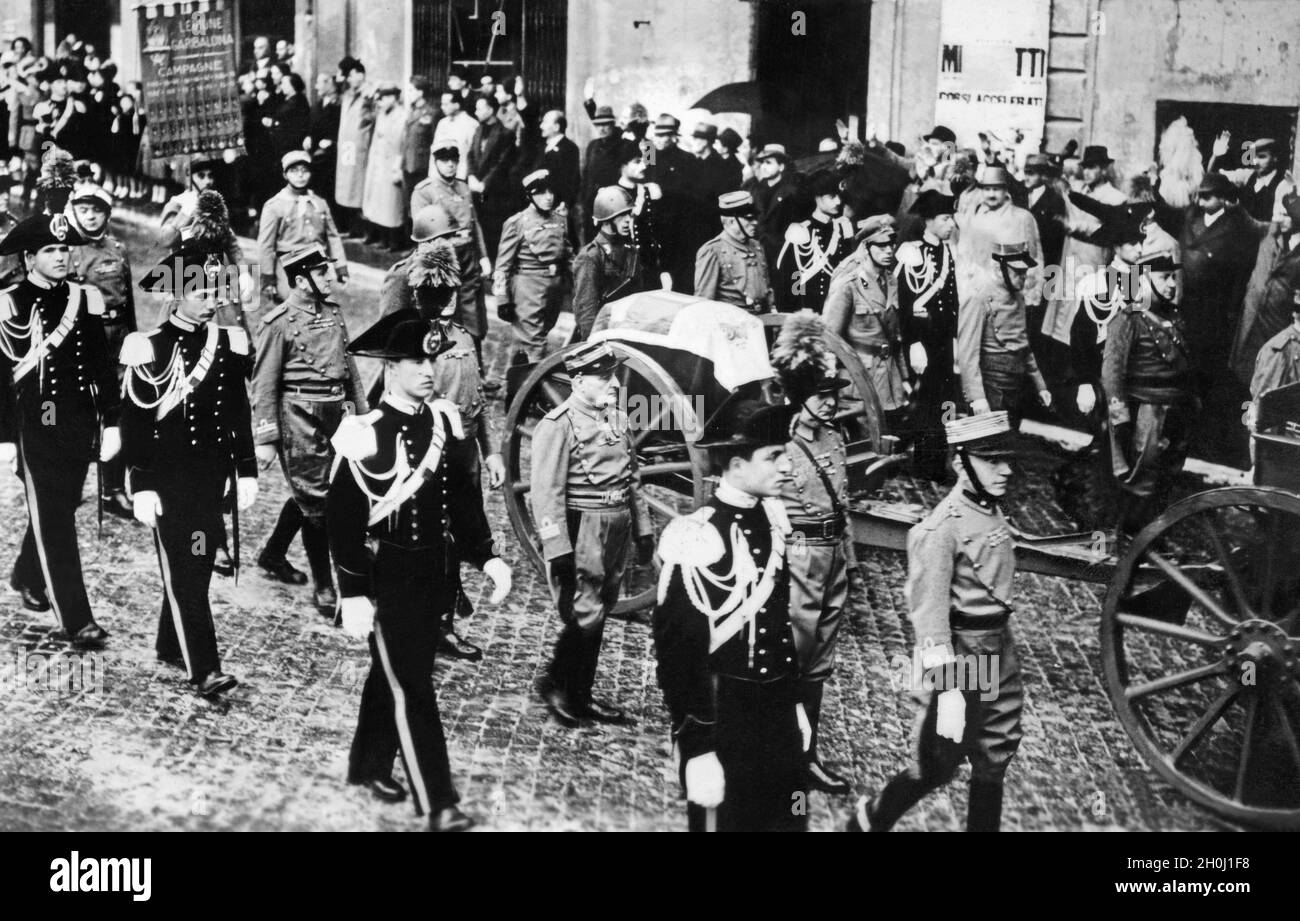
(143,753)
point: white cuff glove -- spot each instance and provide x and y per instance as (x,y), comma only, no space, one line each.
(1086,398)
(979,407)
(358,616)
(485,266)
(705,785)
(497,570)
(805,727)
(246,492)
(110,443)
(917,358)
(950,721)
(146,508)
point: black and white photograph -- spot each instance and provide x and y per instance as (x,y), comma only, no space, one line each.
(651,416)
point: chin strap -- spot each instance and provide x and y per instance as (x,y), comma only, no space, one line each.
(982,494)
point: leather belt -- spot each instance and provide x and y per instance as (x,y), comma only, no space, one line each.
(959,620)
(880,350)
(582,499)
(829,528)
(316,392)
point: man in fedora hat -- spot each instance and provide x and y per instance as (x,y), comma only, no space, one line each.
(533,268)
(732,267)
(1081,252)
(1218,248)
(1263,184)
(55,365)
(599,169)
(398,486)
(816,502)
(586,503)
(813,248)
(993,352)
(671,177)
(928,303)
(724,646)
(862,308)
(775,190)
(709,176)
(304,383)
(995,218)
(1146,373)
(1046,205)
(187,441)
(960,568)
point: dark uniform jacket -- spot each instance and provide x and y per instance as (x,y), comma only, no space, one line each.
(212,418)
(561,161)
(760,647)
(76,370)
(443,515)
(1146,356)
(417,136)
(604,270)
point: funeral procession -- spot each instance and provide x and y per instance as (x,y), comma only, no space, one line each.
(650,415)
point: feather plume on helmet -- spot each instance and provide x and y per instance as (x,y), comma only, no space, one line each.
(803,364)
(57,179)
(211,217)
(434,264)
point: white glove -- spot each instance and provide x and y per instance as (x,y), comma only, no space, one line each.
(266,455)
(146,508)
(1250,418)
(665,281)
(247,287)
(979,406)
(950,721)
(805,727)
(358,616)
(110,443)
(246,492)
(485,265)
(1086,398)
(497,570)
(917,357)
(654,191)
(1045,397)
(9,454)
(705,785)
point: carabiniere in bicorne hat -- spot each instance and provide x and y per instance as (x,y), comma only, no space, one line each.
(400,336)
(746,419)
(38,231)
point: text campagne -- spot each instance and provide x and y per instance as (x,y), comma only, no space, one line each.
(102,874)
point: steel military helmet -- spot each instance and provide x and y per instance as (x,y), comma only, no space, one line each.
(610,202)
(432,222)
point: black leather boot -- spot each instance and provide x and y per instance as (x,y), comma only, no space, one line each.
(817,775)
(315,540)
(985,810)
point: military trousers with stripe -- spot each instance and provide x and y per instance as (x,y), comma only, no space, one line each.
(53,461)
(399,706)
(187,535)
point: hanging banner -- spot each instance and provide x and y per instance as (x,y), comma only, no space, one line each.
(993,71)
(190,76)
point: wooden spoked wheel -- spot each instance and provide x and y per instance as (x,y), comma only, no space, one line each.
(1200,638)
(665,427)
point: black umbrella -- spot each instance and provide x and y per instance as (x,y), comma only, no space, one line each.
(769,106)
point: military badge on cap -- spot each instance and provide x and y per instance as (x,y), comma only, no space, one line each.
(592,358)
(537,181)
(984,434)
(402,336)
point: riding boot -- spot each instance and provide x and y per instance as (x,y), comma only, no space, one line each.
(286,526)
(985,810)
(316,541)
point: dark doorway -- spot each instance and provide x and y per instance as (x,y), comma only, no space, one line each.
(823,71)
(89,20)
(502,38)
(272,18)
(1246,122)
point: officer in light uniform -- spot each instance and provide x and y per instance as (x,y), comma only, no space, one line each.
(292,220)
(723,641)
(397,489)
(816,501)
(960,565)
(993,350)
(534,262)
(588,512)
(732,267)
(103,262)
(187,440)
(862,308)
(304,383)
(54,366)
